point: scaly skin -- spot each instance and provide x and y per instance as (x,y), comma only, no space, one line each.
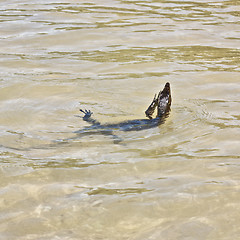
(163,102)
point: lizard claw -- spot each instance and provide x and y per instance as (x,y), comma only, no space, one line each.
(149,112)
(87,113)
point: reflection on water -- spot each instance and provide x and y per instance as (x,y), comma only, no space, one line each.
(177,181)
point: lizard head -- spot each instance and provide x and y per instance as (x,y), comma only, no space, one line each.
(163,102)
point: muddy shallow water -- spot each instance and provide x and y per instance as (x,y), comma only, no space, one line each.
(177,181)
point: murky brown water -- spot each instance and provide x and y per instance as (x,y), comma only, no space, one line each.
(178,181)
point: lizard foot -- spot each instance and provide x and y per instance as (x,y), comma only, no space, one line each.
(149,112)
(87,113)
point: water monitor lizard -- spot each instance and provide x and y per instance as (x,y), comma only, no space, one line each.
(162,102)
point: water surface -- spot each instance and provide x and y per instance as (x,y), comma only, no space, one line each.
(178,181)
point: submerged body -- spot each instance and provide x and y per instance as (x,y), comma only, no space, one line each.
(130,125)
(162,102)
